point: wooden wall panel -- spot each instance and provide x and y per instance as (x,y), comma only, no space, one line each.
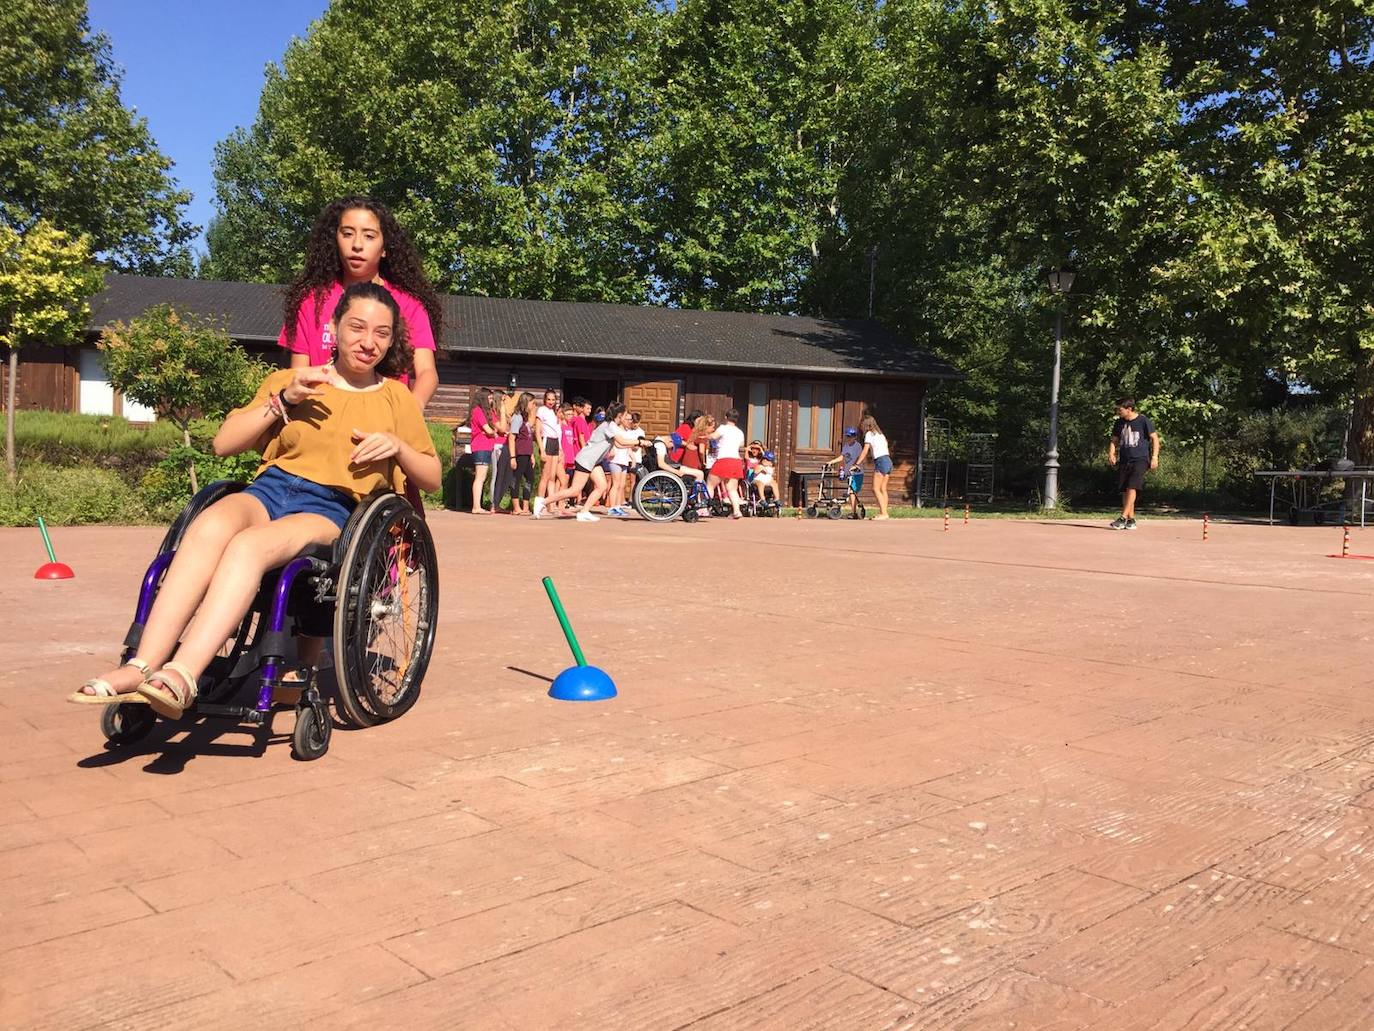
(897,408)
(453,397)
(459,378)
(712,394)
(48,378)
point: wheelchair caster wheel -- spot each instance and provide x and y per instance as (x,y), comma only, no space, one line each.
(125,724)
(691,515)
(310,739)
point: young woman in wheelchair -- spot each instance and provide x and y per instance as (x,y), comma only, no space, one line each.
(329,436)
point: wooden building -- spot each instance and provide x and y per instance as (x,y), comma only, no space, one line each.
(797,382)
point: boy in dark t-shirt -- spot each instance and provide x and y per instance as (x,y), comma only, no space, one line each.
(1134,449)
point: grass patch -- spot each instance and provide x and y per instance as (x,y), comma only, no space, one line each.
(75,496)
(58,439)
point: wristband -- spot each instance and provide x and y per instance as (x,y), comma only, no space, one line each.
(283,405)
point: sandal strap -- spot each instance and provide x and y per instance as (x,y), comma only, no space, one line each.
(185,692)
(139,665)
(99,688)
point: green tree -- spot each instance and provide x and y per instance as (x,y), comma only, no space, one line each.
(1205,166)
(747,143)
(181,366)
(72,153)
(502,135)
(46,276)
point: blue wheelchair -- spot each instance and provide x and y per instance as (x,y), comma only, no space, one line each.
(662,492)
(374,592)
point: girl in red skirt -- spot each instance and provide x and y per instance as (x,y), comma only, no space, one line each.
(729,464)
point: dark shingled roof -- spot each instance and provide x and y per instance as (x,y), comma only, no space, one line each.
(558,329)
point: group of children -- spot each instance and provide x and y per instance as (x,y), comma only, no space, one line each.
(588,458)
(571,441)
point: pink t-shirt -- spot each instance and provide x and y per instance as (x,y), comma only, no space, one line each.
(582,429)
(315,336)
(482,437)
(569,447)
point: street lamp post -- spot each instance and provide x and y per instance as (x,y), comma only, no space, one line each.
(1061,281)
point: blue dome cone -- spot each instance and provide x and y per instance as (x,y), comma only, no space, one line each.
(582,684)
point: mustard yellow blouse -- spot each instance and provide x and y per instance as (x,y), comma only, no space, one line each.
(317,442)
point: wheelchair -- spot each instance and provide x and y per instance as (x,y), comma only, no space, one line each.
(660,493)
(755,504)
(374,591)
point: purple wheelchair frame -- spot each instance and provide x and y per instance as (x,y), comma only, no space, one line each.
(273,641)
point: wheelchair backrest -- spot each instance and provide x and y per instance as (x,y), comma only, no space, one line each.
(655,455)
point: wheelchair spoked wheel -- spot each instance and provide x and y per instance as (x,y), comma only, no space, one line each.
(660,497)
(385,615)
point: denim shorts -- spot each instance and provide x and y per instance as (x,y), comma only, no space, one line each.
(883,465)
(481,458)
(283,494)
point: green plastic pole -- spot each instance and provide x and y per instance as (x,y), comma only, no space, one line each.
(47,541)
(563,621)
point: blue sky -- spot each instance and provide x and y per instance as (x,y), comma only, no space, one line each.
(194,70)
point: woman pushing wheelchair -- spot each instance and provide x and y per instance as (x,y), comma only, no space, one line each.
(329,436)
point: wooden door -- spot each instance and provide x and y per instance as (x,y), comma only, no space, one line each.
(656,403)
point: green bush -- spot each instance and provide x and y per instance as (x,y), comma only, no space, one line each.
(442,435)
(71,496)
(168,484)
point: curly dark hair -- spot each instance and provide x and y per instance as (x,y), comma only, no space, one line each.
(400,266)
(400,356)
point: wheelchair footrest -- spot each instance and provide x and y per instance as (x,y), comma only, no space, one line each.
(243,713)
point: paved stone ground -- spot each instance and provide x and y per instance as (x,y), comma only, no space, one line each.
(858,776)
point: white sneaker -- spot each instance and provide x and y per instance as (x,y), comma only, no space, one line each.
(538,510)
(587,517)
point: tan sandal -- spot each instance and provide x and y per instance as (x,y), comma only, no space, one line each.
(102,692)
(167,698)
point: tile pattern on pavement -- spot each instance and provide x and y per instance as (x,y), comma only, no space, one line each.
(863,776)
